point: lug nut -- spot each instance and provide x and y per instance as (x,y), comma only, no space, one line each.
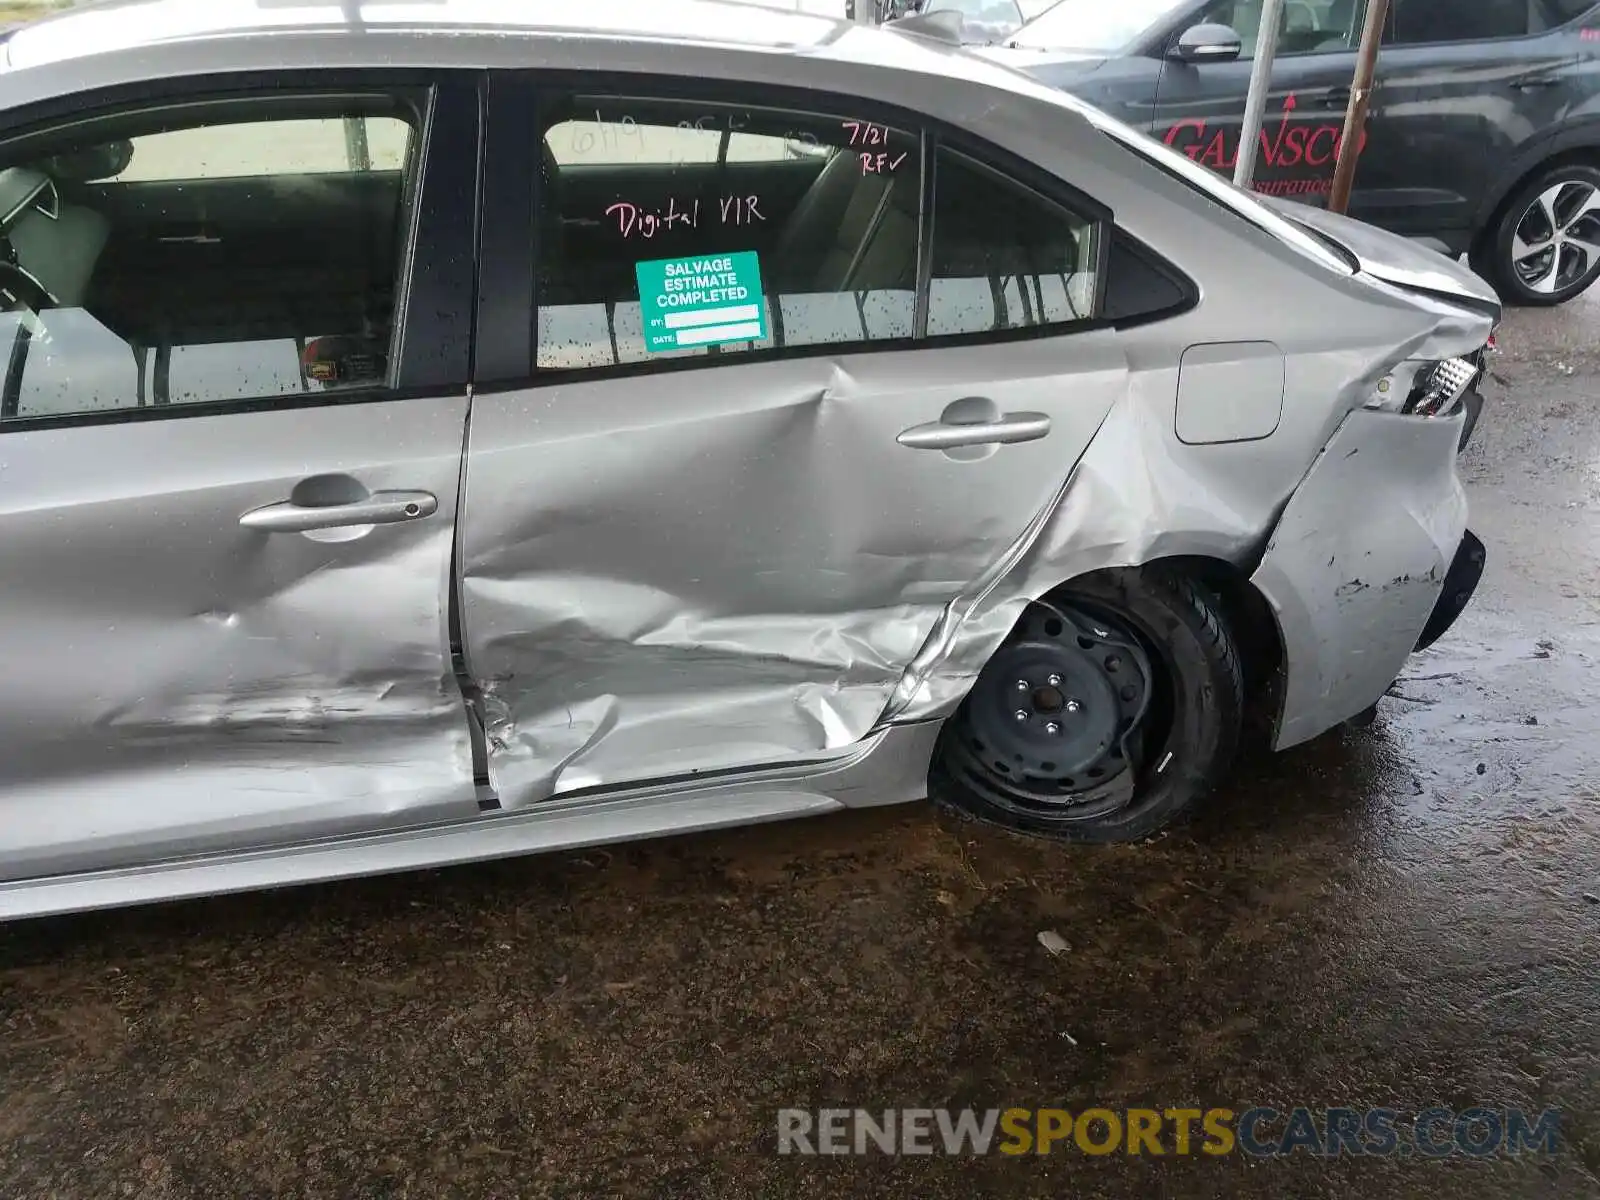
(1055,681)
(1052,728)
(1073,706)
(1022,714)
(1024,686)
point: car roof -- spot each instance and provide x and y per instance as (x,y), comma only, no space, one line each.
(128,41)
(120,25)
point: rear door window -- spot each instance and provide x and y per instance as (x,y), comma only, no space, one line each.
(673,229)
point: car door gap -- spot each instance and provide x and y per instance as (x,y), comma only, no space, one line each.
(471,693)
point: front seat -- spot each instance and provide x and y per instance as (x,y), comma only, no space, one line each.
(61,251)
(1341,26)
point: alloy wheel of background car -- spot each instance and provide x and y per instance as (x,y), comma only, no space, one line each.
(1546,248)
(1111,707)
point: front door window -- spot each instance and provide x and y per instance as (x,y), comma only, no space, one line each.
(177,257)
(1308,26)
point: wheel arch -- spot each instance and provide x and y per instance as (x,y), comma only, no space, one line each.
(1202,603)
(1256,631)
(1257,634)
(1577,144)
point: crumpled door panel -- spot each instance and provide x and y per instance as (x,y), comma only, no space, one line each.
(715,569)
(176,683)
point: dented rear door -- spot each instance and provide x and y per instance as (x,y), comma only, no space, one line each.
(226,620)
(735,566)
(688,562)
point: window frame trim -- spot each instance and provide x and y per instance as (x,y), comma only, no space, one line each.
(1565,27)
(1164,47)
(549,85)
(430,350)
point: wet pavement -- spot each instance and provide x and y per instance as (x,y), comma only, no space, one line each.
(1405,916)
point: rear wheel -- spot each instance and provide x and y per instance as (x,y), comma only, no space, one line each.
(1546,247)
(1111,708)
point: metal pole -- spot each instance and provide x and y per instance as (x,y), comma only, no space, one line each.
(358,154)
(1355,117)
(1255,105)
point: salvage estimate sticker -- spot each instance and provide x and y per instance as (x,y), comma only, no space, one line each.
(690,302)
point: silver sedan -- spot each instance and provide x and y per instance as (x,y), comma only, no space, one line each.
(439,432)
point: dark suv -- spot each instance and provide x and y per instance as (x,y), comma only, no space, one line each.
(1484,133)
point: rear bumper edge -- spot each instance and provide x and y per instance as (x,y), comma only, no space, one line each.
(1460,582)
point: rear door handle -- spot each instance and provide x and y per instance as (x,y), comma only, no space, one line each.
(1535,83)
(380,508)
(1003,431)
(1334,97)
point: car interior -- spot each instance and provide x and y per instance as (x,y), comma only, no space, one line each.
(275,261)
(1309,26)
(788,187)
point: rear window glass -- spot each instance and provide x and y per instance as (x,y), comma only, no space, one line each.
(679,229)
(1563,11)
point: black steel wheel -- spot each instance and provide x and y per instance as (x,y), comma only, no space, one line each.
(1113,705)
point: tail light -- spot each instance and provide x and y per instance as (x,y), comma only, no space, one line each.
(1432,388)
(1439,389)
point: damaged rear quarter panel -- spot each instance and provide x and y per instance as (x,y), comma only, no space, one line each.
(1358,561)
(710,568)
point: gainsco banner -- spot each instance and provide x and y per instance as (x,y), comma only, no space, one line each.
(1300,154)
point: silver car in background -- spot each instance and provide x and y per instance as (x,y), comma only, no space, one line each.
(460,430)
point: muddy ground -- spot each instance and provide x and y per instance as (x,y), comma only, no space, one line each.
(1405,916)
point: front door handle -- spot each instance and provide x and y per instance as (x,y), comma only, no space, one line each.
(1002,431)
(1534,83)
(1334,97)
(380,508)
